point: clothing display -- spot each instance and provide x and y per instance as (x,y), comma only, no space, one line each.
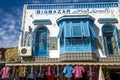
(22,71)
(39,71)
(12,72)
(5,72)
(68,71)
(91,73)
(48,72)
(78,71)
(30,72)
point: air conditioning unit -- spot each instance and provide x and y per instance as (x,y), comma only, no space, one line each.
(26,51)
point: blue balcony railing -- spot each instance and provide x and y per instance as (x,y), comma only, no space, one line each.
(77,48)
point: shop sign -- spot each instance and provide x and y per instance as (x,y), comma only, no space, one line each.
(72,11)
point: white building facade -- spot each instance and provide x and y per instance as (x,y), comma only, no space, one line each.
(54,29)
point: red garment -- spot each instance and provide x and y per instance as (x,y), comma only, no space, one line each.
(68,78)
(78,71)
(91,72)
(49,70)
(50,77)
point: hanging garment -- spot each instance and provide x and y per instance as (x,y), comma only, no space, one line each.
(62,74)
(49,71)
(5,72)
(40,72)
(90,70)
(68,71)
(16,79)
(12,71)
(17,72)
(57,71)
(107,75)
(22,71)
(78,71)
(91,73)
(69,79)
(30,72)
(1,66)
(50,77)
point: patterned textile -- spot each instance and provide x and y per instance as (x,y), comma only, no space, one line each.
(107,75)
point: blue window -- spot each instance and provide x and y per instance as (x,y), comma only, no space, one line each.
(77,30)
(76,33)
(86,30)
(67,29)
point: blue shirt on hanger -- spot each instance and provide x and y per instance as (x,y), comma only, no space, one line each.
(68,70)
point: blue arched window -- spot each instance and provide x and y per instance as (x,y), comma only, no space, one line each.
(109,39)
(41,41)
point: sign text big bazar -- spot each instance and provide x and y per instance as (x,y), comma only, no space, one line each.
(72,11)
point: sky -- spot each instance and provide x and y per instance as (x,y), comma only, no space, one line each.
(11,19)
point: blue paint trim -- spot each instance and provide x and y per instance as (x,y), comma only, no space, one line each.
(75,18)
(108,20)
(73,5)
(93,32)
(117,39)
(60,31)
(86,30)
(43,21)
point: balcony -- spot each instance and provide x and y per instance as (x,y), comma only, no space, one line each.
(78,53)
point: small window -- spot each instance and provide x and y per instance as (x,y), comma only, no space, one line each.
(53,43)
(77,31)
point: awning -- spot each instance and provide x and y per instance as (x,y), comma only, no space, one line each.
(42,21)
(107,20)
(67,63)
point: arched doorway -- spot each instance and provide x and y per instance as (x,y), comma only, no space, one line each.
(109,39)
(41,41)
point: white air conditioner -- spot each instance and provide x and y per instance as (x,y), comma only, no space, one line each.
(25,51)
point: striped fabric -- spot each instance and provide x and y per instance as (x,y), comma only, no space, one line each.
(107,75)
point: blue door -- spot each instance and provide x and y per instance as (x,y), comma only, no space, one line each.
(41,41)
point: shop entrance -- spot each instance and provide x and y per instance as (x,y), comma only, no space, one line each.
(114,74)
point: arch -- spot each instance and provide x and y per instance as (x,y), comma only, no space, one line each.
(41,35)
(109,39)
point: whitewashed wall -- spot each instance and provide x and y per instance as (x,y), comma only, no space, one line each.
(29,15)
